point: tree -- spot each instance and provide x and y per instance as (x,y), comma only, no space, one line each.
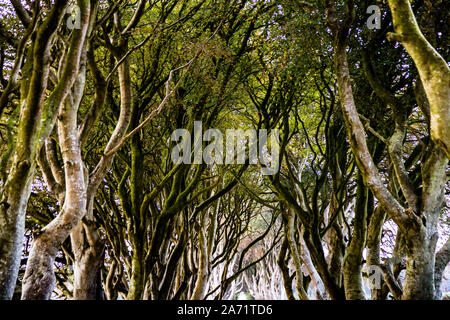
(433,69)
(95,205)
(417,221)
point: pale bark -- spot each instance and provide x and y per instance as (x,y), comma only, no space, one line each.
(358,143)
(353,258)
(391,282)
(110,292)
(206,240)
(374,233)
(335,239)
(98,174)
(316,281)
(432,179)
(421,244)
(433,69)
(203,265)
(420,228)
(39,279)
(442,259)
(88,249)
(91,253)
(15,192)
(283,265)
(105,162)
(296,255)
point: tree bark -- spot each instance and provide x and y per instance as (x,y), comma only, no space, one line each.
(203,265)
(374,233)
(15,192)
(421,242)
(88,249)
(442,259)
(282,264)
(353,257)
(433,70)
(296,255)
(420,228)
(95,255)
(39,279)
(316,281)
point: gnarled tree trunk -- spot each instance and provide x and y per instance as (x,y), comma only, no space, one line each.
(353,258)
(419,224)
(39,279)
(88,249)
(433,69)
(15,192)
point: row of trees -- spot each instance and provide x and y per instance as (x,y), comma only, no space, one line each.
(93,207)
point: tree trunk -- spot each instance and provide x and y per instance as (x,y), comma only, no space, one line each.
(442,259)
(137,276)
(420,228)
(15,192)
(334,238)
(433,70)
(39,279)
(203,266)
(315,277)
(419,280)
(373,249)
(421,242)
(13,206)
(88,249)
(290,229)
(282,264)
(353,257)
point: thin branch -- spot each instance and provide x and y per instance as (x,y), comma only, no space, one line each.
(158,110)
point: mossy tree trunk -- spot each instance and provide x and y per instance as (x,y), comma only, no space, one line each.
(353,257)
(433,70)
(418,222)
(39,279)
(36,119)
